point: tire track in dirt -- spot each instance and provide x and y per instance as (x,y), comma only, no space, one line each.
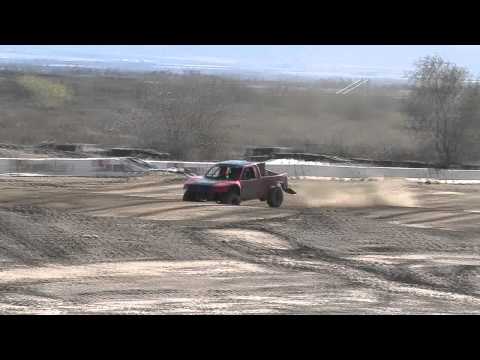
(318,244)
(295,259)
(376,277)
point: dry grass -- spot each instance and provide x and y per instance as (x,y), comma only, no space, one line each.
(100,109)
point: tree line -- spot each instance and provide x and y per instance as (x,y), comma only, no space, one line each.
(199,117)
(443,108)
(441,111)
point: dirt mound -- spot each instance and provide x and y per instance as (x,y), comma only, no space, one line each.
(139,153)
(34,236)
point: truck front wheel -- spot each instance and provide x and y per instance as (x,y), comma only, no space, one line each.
(231,198)
(275,197)
(188,196)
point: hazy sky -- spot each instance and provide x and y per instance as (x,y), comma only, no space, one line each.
(388,59)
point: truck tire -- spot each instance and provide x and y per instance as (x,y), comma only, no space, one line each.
(231,198)
(188,196)
(275,197)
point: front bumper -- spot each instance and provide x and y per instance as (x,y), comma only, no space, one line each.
(205,193)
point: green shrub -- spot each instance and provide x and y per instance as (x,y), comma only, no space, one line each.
(47,93)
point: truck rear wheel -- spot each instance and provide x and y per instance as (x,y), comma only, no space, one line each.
(231,198)
(275,197)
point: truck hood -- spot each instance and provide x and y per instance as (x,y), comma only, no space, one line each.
(201,180)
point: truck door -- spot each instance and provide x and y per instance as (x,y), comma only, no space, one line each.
(250,183)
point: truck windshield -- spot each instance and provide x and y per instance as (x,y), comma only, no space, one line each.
(224,172)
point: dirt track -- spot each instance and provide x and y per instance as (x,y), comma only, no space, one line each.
(79,245)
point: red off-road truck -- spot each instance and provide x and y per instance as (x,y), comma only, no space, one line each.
(231,182)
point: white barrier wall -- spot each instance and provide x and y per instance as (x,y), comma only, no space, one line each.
(196,167)
(71,167)
(126,166)
(340,171)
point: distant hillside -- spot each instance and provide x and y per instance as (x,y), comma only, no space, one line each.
(111,109)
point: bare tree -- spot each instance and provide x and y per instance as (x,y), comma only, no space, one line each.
(184,118)
(441,106)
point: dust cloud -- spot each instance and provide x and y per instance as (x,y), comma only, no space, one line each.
(354,193)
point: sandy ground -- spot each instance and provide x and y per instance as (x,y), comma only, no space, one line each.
(99,245)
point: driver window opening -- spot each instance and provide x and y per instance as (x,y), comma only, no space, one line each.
(248,174)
